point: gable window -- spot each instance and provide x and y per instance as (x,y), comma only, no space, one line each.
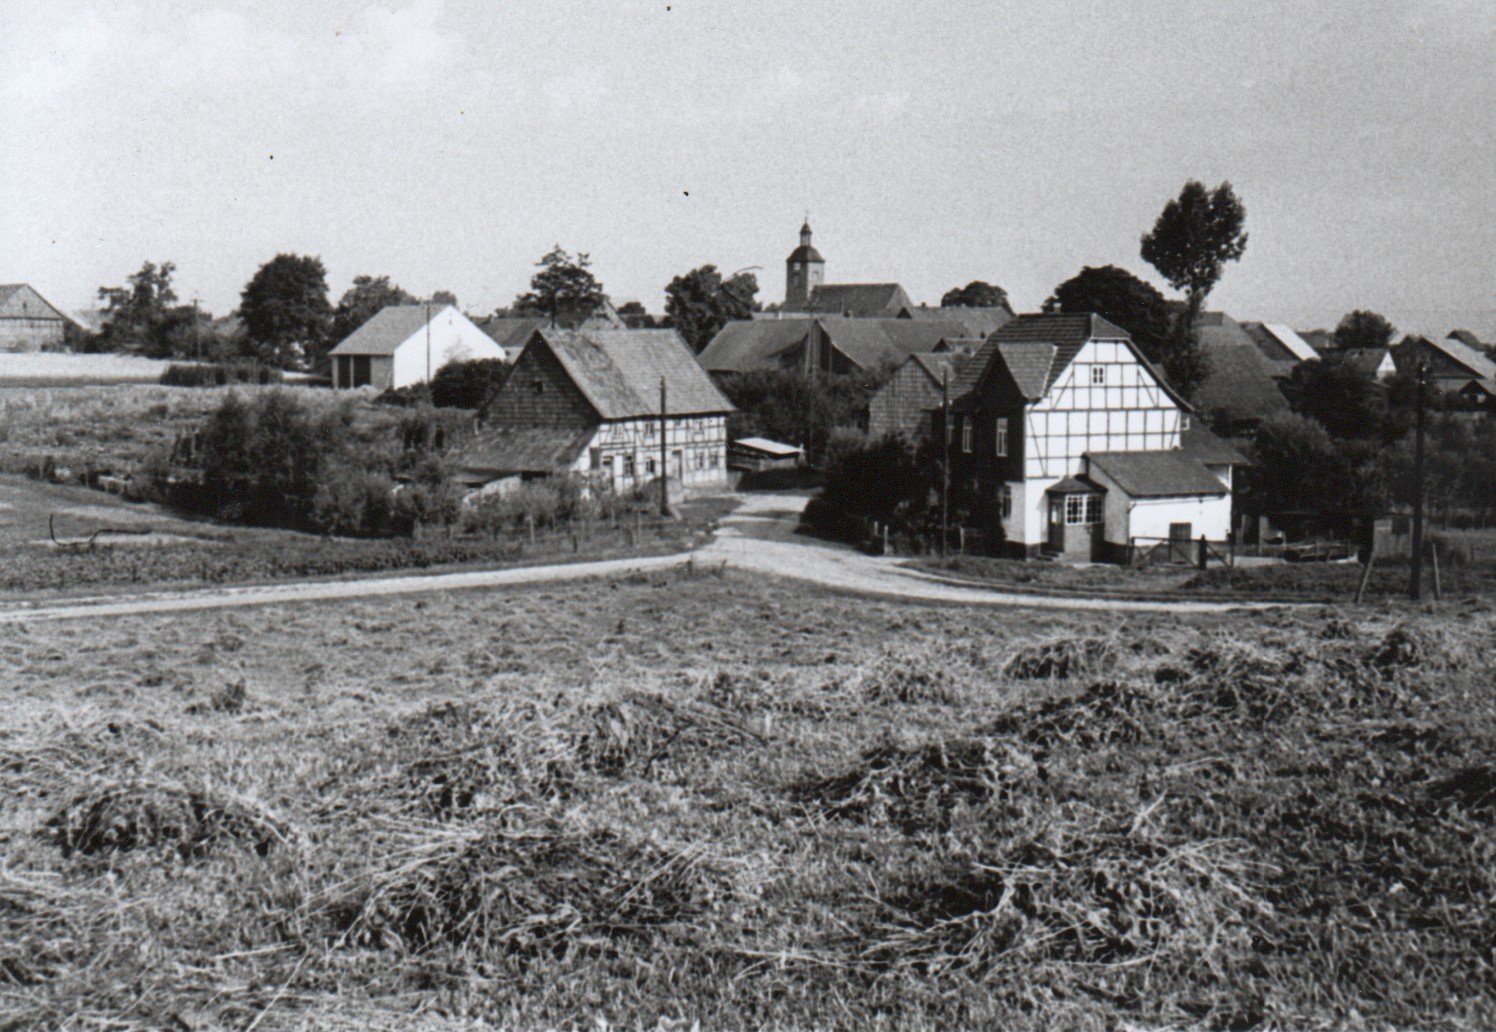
(967,427)
(1000,448)
(1184,421)
(1098,374)
(537,385)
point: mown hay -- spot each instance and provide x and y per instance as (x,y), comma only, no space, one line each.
(122,816)
(629,735)
(1062,658)
(527,887)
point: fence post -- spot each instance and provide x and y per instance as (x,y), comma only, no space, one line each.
(1366,575)
(885,539)
(1434,554)
(530,528)
(961,540)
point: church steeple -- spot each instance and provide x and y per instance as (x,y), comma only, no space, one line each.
(804,270)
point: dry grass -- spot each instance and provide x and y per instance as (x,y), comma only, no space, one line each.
(667,799)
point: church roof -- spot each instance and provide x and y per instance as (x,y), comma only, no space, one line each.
(805,253)
(860,300)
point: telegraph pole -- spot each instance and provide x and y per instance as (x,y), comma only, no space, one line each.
(1415,584)
(945,457)
(664,469)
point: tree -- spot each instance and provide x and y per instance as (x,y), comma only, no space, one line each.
(1364,329)
(285,310)
(444,297)
(363,301)
(136,316)
(1117,295)
(635,316)
(699,303)
(1193,239)
(564,290)
(1345,401)
(976,294)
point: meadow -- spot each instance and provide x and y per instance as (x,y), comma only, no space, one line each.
(704,797)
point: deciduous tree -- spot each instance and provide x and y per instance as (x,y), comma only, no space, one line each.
(285,310)
(1364,329)
(363,301)
(976,294)
(564,290)
(700,302)
(136,316)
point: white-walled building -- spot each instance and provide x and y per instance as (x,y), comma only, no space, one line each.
(1069,442)
(406,344)
(588,401)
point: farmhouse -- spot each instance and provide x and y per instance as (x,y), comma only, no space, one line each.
(904,404)
(29,322)
(1068,444)
(1453,365)
(407,344)
(589,402)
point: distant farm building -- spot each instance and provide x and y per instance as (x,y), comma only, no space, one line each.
(405,345)
(904,405)
(29,322)
(751,454)
(588,402)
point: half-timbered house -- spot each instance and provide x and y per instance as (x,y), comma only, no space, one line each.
(589,402)
(1068,442)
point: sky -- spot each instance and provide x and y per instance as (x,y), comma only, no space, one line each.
(449,145)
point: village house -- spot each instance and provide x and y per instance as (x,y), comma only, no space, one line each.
(1453,366)
(29,322)
(406,344)
(905,404)
(1067,443)
(511,332)
(589,402)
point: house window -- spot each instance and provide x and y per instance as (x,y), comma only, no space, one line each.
(1005,501)
(1001,446)
(628,465)
(537,385)
(1098,374)
(1184,421)
(649,467)
(967,427)
(1082,510)
(715,459)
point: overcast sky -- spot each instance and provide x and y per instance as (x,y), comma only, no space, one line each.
(449,145)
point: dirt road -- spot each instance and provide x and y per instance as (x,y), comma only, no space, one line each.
(759,537)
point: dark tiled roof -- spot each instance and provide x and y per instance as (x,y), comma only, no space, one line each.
(391,327)
(1076,485)
(905,336)
(1471,358)
(1206,448)
(1242,382)
(1060,329)
(938,364)
(965,345)
(743,345)
(511,331)
(1319,340)
(860,300)
(502,450)
(1365,361)
(806,253)
(1156,474)
(978,322)
(619,371)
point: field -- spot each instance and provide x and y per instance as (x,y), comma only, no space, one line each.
(680,798)
(49,369)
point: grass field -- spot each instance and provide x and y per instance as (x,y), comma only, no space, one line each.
(705,798)
(58,369)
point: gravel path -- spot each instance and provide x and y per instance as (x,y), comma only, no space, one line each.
(759,537)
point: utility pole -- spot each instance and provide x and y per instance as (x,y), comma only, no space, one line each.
(197,342)
(664,469)
(1415,583)
(945,457)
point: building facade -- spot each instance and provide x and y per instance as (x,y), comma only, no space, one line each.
(29,322)
(404,345)
(589,402)
(1064,440)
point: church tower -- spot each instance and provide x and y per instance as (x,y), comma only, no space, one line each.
(804,270)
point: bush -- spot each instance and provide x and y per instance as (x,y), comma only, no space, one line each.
(199,374)
(468,385)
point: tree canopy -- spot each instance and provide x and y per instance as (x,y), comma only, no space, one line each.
(700,302)
(364,300)
(976,294)
(1193,239)
(1133,304)
(1364,329)
(138,316)
(444,297)
(565,290)
(1348,403)
(285,310)
(635,316)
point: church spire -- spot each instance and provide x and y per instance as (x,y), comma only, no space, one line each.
(804,270)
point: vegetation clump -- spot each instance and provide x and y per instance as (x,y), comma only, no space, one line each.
(1061,658)
(118,817)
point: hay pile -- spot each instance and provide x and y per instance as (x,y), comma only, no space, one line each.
(140,814)
(530,885)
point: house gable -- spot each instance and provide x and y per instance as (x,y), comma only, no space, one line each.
(540,392)
(21,301)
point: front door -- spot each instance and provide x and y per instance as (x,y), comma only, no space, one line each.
(1179,542)
(1057,524)
(677,466)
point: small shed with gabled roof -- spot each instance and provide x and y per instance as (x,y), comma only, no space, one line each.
(403,345)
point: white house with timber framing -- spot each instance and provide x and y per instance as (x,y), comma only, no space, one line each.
(1066,441)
